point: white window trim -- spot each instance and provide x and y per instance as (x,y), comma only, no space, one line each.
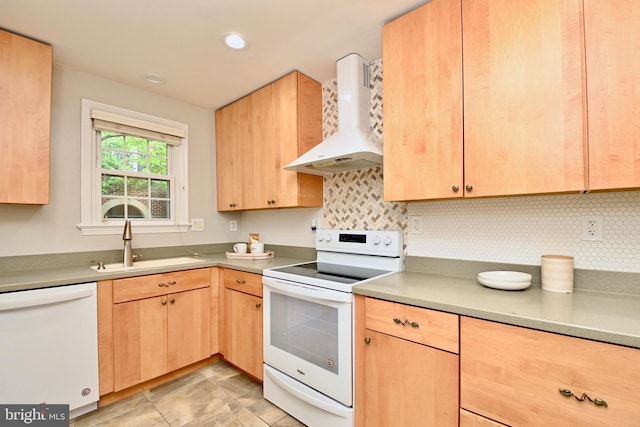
(91,221)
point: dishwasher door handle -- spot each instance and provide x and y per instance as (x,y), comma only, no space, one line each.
(8,302)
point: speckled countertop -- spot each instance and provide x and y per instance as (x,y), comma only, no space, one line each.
(47,277)
(601,316)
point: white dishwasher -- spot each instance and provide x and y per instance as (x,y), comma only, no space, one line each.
(49,342)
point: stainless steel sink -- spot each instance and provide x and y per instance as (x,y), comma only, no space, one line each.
(149,263)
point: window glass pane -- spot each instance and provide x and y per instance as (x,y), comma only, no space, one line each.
(138,208)
(113,207)
(158,149)
(137,187)
(160,209)
(128,196)
(159,188)
(112,185)
(158,165)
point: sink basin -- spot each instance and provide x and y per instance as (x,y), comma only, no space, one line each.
(148,263)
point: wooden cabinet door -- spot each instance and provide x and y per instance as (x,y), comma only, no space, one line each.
(25,108)
(523,97)
(515,376)
(422,61)
(189,328)
(139,341)
(612,43)
(243,335)
(408,384)
(233,154)
(264,150)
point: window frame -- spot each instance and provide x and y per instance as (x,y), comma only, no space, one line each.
(92,222)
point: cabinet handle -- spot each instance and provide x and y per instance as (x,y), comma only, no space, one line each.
(172,283)
(406,322)
(162,285)
(173,300)
(367,340)
(164,302)
(271,202)
(468,187)
(241,281)
(232,205)
(455,188)
(258,305)
(568,393)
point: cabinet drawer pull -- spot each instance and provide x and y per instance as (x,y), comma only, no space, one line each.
(164,302)
(241,281)
(232,205)
(597,401)
(258,305)
(468,187)
(367,340)
(406,322)
(455,188)
(173,300)
(171,283)
(162,285)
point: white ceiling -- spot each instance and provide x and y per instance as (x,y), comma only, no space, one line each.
(182,39)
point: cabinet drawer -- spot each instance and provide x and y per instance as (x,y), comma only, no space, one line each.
(133,288)
(421,325)
(510,373)
(249,283)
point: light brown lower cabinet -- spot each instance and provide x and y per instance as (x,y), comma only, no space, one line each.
(523,377)
(163,331)
(242,342)
(400,381)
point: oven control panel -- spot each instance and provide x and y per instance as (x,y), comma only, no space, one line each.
(370,242)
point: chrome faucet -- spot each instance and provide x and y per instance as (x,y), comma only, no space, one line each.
(127,236)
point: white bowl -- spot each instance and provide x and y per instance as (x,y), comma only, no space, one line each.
(506,280)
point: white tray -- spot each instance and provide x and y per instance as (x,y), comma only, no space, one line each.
(249,256)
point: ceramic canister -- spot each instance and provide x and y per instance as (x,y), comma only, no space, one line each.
(557,273)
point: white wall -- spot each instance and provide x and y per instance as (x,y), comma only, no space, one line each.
(27,230)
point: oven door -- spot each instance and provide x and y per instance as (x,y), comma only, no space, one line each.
(307,335)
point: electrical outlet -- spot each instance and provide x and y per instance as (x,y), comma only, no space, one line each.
(197,224)
(233,225)
(416,224)
(592,228)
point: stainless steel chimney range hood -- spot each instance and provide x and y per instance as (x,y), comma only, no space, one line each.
(354,146)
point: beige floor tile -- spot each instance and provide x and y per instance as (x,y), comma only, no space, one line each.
(102,415)
(288,421)
(191,401)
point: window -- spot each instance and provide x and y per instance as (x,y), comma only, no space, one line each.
(134,166)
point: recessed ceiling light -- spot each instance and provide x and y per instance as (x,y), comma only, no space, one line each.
(235,41)
(153,78)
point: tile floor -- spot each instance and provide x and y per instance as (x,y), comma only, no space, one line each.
(215,395)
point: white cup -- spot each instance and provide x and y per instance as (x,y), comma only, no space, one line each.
(240,248)
(257,248)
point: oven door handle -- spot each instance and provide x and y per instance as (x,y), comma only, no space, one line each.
(318,293)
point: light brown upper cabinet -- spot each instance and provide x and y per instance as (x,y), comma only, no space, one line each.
(612,43)
(233,148)
(522,106)
(272,127)
(523,97)
(422,61)
(25,111)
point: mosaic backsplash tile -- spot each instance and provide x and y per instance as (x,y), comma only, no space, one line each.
(354,199)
